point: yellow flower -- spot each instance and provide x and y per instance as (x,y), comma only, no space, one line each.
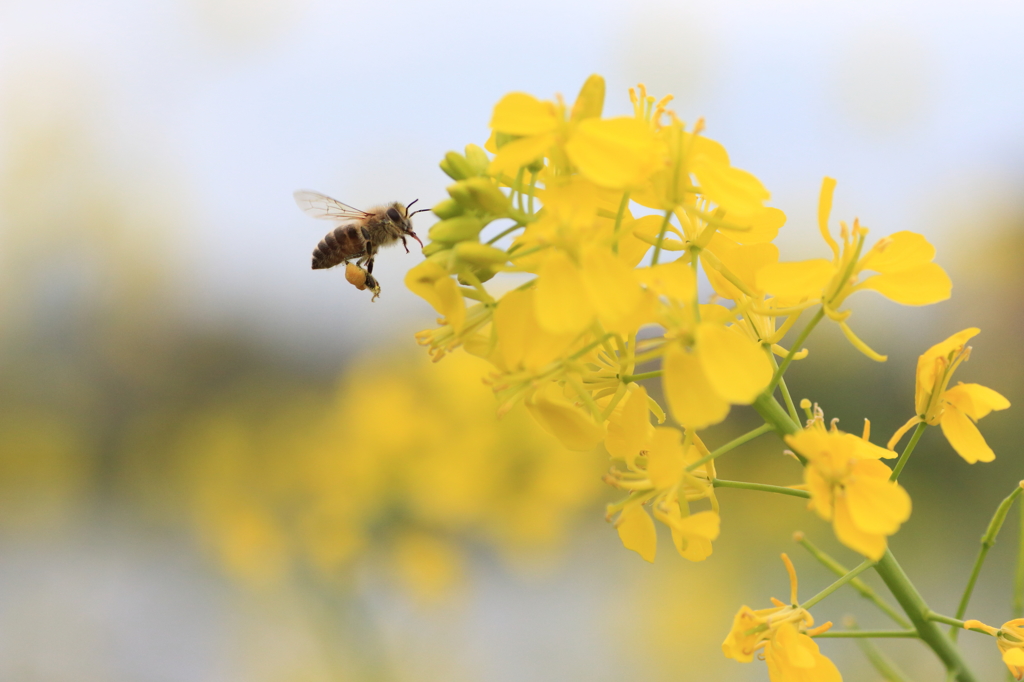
(660,477)
(784,634)
(712,367)
(955,409)
(617,153)
(850,488)
(902,260)
(1009,639)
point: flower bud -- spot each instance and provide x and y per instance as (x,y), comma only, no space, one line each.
(477,158)
(476,253)
(456,166)
(458,229)
(435,247)
(480,193)
(449,208)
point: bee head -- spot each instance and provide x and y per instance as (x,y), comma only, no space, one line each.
(403,218)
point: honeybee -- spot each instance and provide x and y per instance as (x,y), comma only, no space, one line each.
(358,235)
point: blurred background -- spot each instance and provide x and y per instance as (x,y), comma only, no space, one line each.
(217,465)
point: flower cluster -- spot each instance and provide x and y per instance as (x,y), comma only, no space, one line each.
(572,254)
(405,468)
(601,227)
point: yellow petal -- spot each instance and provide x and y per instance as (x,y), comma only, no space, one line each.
(876,506)
(901,251)
(521,114)
(453,305)
(790,644)
(562,303)
(612,285)
(665,460)
(433,283)
(928,369)
(629,428)
(741,261)
(573,203)
(518,153)
(871,545)
(614,152)
(975,400)
(637,532)
(573,427)
(868,450)
(590,102)
(964,436)
(737,191)
(735,365)
(795,282)
(521,340)
(739,645)
(691,399)
(762,226)
(922,285)
(675,280)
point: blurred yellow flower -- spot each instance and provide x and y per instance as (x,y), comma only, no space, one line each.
(406,467)
(955,409)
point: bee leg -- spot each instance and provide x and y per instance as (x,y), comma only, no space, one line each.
(406,246)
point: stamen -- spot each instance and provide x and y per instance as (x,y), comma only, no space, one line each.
(792,579)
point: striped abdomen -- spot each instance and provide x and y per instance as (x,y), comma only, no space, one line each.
(343,243)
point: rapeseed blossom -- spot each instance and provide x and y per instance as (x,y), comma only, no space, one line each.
(568,256)
(903,261)
(956,409)
(601,282)
(783,635)
(850,487)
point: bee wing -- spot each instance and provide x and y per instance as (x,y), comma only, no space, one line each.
(323,207)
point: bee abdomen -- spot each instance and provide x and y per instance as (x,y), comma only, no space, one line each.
(341,244)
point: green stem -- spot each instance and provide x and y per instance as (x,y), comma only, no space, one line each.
(864,565)
(789,401)
(1018,578)
(504,233)
(939,618)
(915,607)
(661,238)
(909,449)
(763,487)
(987,540)
(773,413)
(794,349)
(857,584)
(640,377)
(867,633)
(734,443)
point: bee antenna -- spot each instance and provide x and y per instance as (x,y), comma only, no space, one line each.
(422,210)
(409,205)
